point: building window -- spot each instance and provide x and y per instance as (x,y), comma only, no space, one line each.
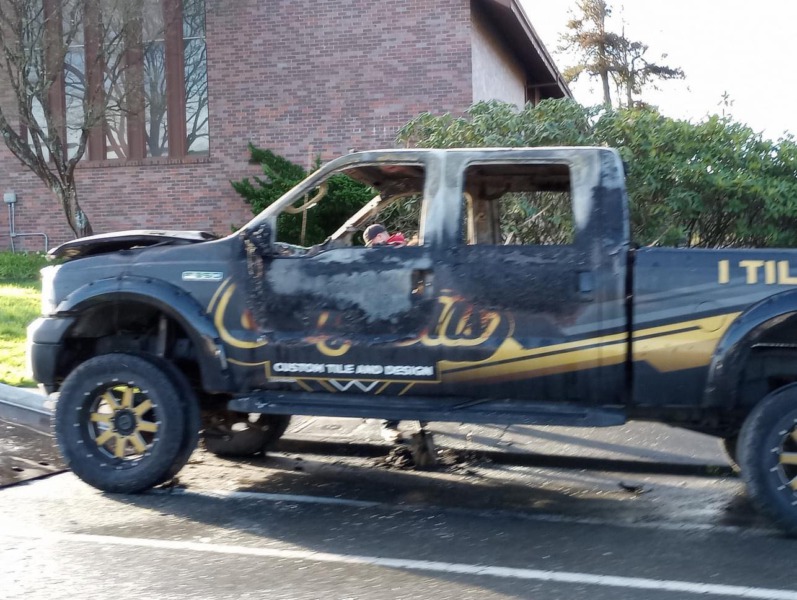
(141,66)
(196,77)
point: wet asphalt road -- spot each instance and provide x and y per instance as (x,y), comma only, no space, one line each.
(298,525)
(25,452)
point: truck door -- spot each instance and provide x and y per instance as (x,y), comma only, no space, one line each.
(337,317)
(535,289)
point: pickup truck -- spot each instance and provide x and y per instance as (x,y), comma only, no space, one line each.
(153,338)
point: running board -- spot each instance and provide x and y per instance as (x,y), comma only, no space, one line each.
(420,408)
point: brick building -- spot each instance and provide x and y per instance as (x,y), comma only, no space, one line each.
(304,78)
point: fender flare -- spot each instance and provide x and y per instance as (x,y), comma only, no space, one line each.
(734,348)
(173,302)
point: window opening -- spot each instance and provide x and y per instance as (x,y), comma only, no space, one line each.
(337,211)
(518,204)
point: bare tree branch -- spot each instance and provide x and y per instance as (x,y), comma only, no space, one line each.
(76,68)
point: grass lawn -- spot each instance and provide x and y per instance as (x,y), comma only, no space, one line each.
(19,305)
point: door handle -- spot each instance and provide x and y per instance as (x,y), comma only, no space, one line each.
(586,285)
(421,282)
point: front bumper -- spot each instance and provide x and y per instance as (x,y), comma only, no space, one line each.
(44,345)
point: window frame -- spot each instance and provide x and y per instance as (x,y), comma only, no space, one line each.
(463,217)
(176,109)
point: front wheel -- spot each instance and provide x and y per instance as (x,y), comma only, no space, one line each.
(767,453)
(121,424)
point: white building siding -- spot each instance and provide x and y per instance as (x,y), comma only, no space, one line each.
(497,75)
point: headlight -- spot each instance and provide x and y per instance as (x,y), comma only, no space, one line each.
(48,289)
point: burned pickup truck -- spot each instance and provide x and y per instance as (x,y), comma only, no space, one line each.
(153,337)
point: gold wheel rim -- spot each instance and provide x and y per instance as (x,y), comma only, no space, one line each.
(123,423)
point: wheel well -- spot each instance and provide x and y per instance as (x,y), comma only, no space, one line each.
(770,363)
(128,326)
(768,368)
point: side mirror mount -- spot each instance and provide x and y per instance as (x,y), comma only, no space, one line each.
(261,238)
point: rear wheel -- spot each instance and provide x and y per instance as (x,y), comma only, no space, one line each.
(236,434)
(767,453)
(121,424)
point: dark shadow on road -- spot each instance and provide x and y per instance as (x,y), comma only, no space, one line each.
(526,459)
(533,435)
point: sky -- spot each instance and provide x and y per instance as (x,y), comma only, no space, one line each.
(745,48)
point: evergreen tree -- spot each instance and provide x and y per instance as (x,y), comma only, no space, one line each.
(609,56)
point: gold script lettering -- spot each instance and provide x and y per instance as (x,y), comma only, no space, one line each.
(459,325)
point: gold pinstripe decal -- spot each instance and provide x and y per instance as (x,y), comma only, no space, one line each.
(406,389)
(304,386)
(324,384)
(216,294)
(218,321)
(243,363)
(666,348)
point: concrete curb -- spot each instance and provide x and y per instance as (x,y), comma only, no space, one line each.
(28,399)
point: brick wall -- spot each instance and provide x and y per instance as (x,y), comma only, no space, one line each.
(305,78)
(328,75)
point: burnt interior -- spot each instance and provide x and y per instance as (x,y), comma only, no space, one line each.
(490,181)
(390,180)
(518,204)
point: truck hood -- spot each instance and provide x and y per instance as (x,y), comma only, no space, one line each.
(126,240)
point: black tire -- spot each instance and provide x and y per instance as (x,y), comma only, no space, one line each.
(244,434)
(767,453)
(121,424)
(191,412)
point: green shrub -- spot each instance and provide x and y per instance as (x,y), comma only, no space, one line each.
(714,183)
(19,305)
(344,197)
(21,266)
